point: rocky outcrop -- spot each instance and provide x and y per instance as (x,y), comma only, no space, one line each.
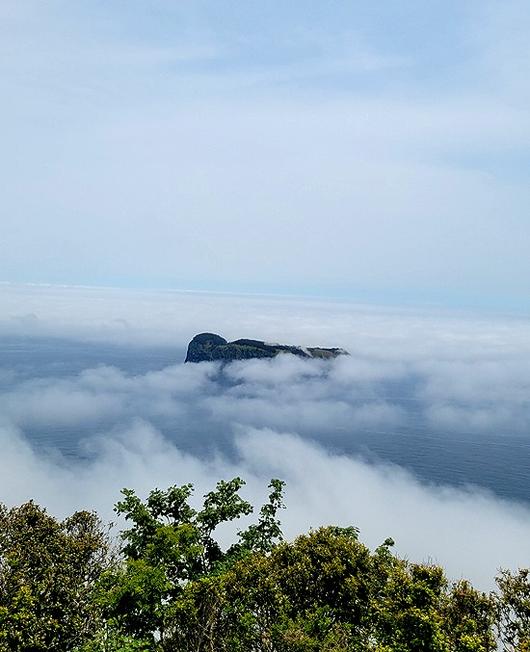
(209,346)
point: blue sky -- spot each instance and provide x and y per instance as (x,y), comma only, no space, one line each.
(377,151)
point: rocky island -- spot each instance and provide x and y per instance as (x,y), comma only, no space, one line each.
(209,346)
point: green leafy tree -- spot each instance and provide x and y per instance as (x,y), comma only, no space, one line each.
(469,619)
(48,573)
(171,544)
(108,639)
(311,594)
(327,591)
(513,605)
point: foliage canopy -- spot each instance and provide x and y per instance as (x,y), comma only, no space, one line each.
(172,586)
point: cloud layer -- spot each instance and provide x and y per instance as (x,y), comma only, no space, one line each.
(471,533)
(442,394)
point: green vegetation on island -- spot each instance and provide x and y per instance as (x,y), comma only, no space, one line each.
(168,585)
(209,347)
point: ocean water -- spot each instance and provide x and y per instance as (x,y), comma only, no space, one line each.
(499,463)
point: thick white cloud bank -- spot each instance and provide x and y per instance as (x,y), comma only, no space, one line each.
(285,418)
(471,533)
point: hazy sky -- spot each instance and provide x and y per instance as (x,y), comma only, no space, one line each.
(370,150)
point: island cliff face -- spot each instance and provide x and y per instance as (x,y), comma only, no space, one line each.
(209,346)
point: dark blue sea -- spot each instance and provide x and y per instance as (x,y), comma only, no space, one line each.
(497,462)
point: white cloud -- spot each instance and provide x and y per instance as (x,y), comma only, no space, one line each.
(456,374)
(447,526)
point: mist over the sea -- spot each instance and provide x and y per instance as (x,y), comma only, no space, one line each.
(420,434)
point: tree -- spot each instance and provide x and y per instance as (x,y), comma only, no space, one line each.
(469,619)
(312,594)
(326,591)
(48,574)
(171,544)
(514,610)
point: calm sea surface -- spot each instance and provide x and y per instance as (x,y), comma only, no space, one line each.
(499,463)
